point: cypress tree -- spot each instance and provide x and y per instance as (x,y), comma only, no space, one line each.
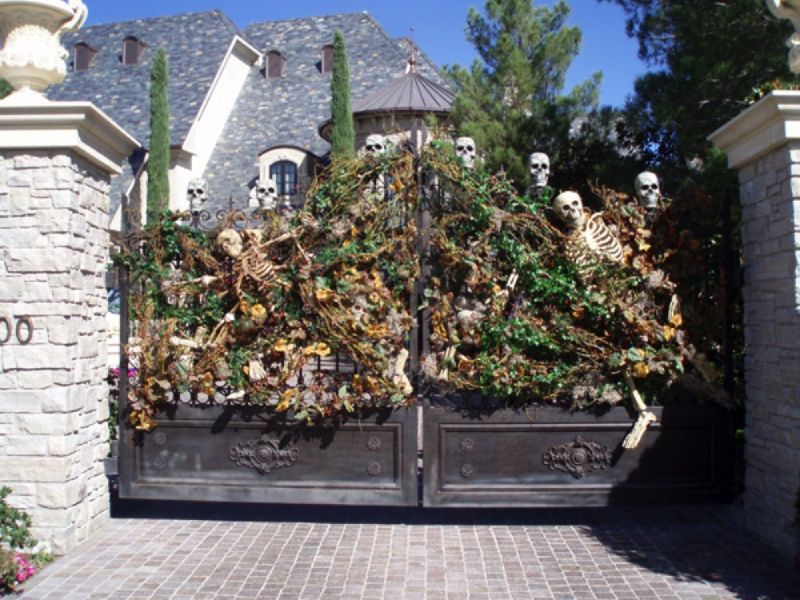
(343,136)
(158,162)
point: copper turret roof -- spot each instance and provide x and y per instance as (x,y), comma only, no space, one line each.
(410,93)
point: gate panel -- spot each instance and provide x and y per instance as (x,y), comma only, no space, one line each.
(224,454)
(551,457)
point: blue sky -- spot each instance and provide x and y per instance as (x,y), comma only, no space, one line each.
(438,28)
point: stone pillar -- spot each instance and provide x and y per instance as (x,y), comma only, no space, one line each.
(56,161)
(763,143)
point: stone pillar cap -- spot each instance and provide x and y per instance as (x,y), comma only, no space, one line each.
(77,126)
(766,125)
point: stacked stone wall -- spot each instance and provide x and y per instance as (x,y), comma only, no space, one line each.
(53,396)
(770,192)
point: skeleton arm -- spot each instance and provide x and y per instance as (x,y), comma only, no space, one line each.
(634,437)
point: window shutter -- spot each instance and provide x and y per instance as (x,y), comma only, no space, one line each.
(83,57)
(132,50)
(327,59)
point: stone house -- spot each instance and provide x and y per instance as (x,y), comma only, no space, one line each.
(245,104)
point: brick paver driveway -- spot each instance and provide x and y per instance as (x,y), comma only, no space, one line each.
(679,552)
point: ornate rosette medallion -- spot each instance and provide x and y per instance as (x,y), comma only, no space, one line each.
(264,454)
(578,458)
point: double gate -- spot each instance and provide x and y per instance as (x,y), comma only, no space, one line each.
(450,450)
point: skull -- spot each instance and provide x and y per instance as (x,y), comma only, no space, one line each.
(375,145)
(230,242)
(266,193)
(197,193)
(647,190)
(539,167)
(465,149)
(568,207)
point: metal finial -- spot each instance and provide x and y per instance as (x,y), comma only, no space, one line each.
(412,54)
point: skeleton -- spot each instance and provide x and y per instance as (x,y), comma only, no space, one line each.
(568,207)
(398,375)
(252,264)
(539,168)
(647,190)
(197,193)
(449,354)
(256,267)
(265,193)
(255,370)
(230,242)
(375,145)
(466,150)
(590,239)
(643,420)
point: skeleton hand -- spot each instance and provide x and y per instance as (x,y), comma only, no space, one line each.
(450,353)
(634,437)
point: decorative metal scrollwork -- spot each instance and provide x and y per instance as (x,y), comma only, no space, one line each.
(226,217)
(578,458)
(264,454)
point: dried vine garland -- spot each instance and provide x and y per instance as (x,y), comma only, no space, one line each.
(519,313)
(308,315)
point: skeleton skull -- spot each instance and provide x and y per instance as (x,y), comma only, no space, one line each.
(375,145)
(647,190)
(465,149)
(230,242)
(197,193)
(539,167)
(568,207)
(266,191)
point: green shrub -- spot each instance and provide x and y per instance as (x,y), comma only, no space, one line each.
(18,559)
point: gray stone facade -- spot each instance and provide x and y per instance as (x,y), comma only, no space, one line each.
(53,396)
(770,193)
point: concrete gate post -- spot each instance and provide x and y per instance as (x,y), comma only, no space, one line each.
(56,161)
(763,143)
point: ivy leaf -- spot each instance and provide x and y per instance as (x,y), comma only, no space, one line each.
(635,355)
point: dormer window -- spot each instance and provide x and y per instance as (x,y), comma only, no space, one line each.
(276,64)
(326,62)
(83,57)
(132,50)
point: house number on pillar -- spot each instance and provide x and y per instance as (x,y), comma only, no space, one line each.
(23,330)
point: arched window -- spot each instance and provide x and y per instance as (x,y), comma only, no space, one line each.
(132,50)
(275,65)
(285,175)
(83,56)
(326,60)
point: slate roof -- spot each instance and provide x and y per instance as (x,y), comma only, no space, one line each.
(268,113)
(195,43)
(289,110)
